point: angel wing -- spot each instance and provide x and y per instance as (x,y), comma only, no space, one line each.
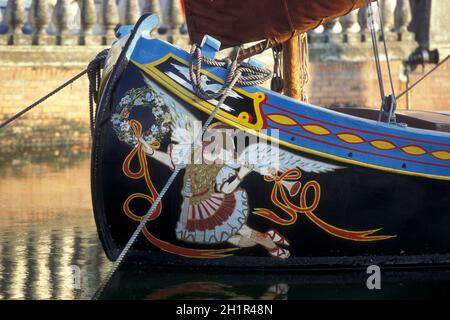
(183,124)
(264,158)
(185,128)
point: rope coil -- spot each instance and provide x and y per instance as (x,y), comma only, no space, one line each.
(94,75)
(250,75)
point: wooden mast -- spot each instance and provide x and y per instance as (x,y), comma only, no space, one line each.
(293,67)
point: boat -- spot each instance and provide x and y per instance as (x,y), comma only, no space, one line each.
(344,191)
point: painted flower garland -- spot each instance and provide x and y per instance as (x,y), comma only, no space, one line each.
(141,97)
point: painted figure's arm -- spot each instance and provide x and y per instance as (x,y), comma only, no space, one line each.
(230,186)
(162,157)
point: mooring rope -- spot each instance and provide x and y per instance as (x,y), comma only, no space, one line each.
(386,53)
(94,70)
(95,64)
(384,99)
(243,74)
(36,103)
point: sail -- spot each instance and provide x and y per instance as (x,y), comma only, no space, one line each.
(234,22)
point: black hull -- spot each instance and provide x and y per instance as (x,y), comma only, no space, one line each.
(408,216)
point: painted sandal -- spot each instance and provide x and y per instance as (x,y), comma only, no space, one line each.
(277,238)
(279,253)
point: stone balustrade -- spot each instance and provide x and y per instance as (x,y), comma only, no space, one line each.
(82,22)
(348,38)
(395,14)
(93,22)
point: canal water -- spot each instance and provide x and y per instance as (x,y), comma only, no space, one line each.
(47,234)
(47,226)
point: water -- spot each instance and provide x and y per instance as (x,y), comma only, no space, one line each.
(47,225)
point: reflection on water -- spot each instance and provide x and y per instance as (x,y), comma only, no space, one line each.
(141,283)
(154,284)
(47,225)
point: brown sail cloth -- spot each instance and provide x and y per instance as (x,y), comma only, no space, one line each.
(234,22)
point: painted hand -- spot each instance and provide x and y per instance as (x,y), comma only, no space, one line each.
(147,147)
(244,170)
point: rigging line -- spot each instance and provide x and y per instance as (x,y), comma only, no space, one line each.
(380,14)
(36,103)
(391,81)
(373,35)
(422,78)
(94,65)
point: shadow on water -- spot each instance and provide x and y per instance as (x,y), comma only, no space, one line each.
(47,225)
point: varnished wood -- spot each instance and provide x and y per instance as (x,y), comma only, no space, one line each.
(291,68)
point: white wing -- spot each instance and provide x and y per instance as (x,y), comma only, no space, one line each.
(206,82)
(265,157)
(183,70)
(262,156)
(184,127)
(214,87)
(184,124)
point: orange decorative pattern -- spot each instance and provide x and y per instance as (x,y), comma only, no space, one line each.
(144,172)
(382,144)
(292,210)
(282,119)
(414,150)
(316,129)
(350,138)
(441,155)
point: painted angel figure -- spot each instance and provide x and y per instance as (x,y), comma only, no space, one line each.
(215,208)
